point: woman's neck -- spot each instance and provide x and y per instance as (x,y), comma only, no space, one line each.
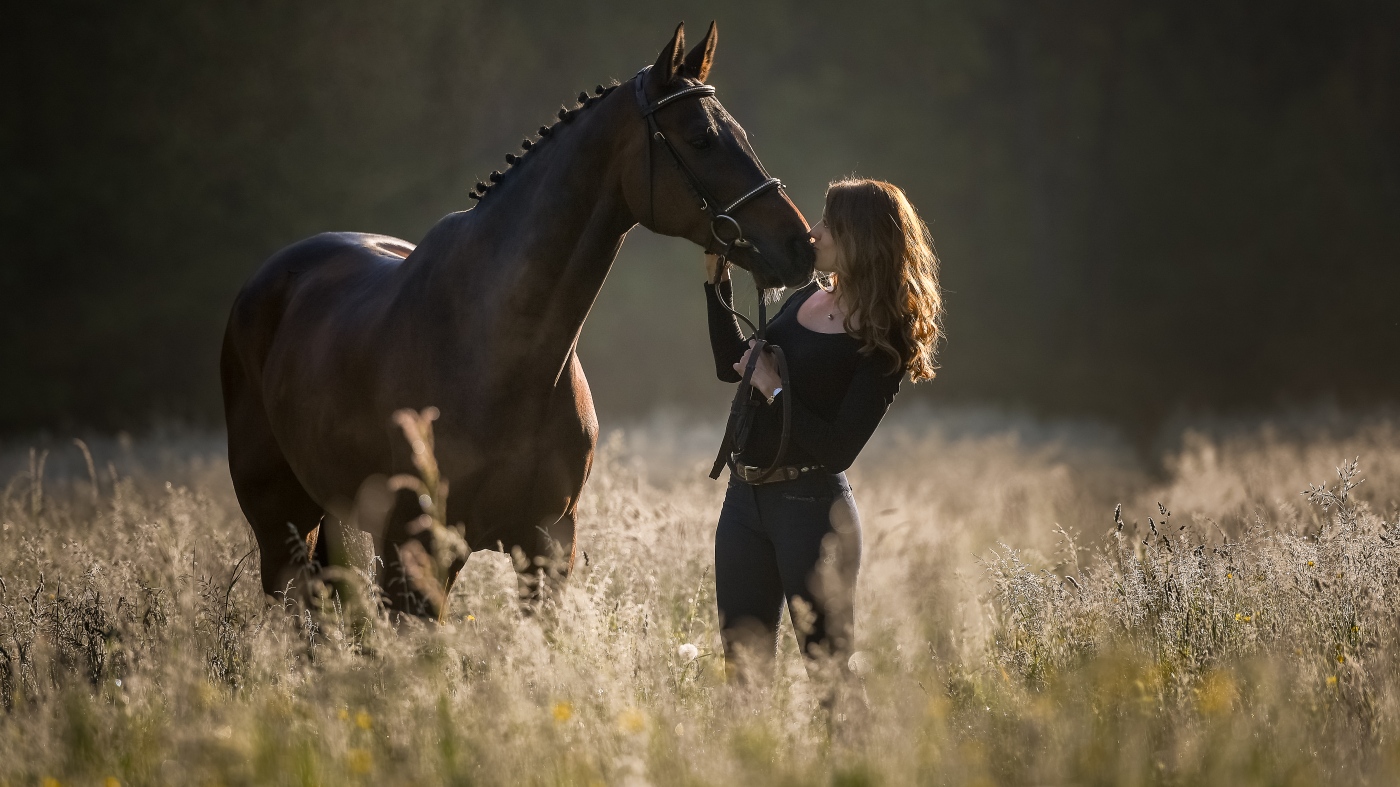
(830,305)
(835,293)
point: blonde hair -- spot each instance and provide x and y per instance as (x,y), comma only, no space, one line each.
(889,273)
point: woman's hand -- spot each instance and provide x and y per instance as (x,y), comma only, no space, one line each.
(765,372)
(712,265)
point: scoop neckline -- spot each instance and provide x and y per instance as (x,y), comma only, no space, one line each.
(797,317)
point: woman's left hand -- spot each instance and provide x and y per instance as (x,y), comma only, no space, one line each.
(765,372)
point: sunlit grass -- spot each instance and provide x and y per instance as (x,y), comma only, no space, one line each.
(1010,630)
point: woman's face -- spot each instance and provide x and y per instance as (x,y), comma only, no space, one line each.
(828,253)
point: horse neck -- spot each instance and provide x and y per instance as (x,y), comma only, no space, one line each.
(524,267)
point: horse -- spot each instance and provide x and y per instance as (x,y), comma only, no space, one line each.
(335,334)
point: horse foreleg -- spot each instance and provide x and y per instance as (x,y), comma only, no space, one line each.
(545,560)
(412,582)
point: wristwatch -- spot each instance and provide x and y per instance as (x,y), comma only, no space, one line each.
(776,391)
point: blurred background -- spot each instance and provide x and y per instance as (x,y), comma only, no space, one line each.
(1143,210)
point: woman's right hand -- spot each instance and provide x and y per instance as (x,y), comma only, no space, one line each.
(712,265)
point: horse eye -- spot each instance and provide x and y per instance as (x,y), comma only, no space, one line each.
(702,140)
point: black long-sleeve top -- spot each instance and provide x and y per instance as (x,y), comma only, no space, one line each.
(838,394)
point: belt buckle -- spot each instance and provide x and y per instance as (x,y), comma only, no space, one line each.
(750,474)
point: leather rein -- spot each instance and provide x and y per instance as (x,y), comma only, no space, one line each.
(742,409)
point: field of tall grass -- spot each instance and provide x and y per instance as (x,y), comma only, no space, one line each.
(1036,606)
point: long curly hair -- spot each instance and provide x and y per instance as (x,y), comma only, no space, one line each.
(888,274)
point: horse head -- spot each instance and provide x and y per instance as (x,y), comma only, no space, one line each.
(697,177)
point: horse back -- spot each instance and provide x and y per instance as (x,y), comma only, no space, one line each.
(331,261)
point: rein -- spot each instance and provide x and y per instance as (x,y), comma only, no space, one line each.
(745,405)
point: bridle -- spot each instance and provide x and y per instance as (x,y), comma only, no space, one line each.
(744,405)
(718,217)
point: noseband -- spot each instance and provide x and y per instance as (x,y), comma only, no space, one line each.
(745,405)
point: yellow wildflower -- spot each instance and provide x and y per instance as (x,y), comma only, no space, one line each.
(632,720)
(1217,693)
(562,712)
(359,760)
(1311,563)
(363,720)
(1331,680)
(111,781)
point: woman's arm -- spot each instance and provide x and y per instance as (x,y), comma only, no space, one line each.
(726,338)
(837,443)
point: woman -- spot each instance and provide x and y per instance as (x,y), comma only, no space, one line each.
(873,315)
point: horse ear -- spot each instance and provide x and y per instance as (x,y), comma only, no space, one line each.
(672,57)
(697,63)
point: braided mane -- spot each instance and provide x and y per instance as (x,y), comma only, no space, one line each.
(565,115)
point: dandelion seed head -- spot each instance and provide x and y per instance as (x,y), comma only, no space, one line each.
(859,663)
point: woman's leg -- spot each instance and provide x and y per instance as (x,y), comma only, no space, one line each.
(748,589)
(816,535)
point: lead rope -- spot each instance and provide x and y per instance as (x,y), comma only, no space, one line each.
(743,407)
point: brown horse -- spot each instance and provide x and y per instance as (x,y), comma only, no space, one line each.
(336,333)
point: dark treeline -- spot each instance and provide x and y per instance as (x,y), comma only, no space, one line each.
(1139,207)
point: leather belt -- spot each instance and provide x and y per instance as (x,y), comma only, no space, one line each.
(752,475)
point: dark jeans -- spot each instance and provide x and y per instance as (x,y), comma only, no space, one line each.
(796,540)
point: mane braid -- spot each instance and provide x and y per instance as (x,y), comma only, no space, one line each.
(565,115)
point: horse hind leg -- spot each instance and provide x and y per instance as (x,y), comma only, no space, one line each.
(285,520)
(282,514)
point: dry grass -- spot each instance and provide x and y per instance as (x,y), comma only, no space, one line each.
(1010,631)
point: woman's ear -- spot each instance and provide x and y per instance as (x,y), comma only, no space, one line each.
(698,62)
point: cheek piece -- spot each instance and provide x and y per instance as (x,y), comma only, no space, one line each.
(722,223)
